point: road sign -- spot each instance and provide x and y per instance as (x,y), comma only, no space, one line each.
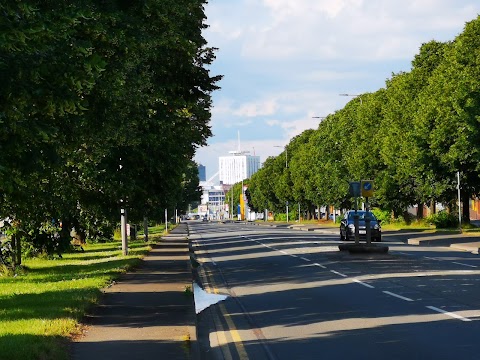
(367,188)
(354,188)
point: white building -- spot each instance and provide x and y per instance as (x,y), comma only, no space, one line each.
(237,167)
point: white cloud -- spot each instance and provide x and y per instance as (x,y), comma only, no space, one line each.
(286,61)
(267,107)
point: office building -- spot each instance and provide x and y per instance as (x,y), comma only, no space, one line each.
(202,174)
(237,167)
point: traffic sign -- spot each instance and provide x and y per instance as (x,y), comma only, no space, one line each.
(354,188)
(367,188)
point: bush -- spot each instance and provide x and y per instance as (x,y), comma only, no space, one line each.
(443,220)
(384,216)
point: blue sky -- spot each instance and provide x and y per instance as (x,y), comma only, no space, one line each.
(286,61)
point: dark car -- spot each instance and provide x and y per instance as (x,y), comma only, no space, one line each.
(205,218)
(347,226)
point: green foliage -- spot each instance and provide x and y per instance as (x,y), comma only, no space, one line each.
(443,220)
(99,106)
(410,137)
(384,216)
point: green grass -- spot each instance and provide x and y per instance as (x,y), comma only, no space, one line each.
(41,307)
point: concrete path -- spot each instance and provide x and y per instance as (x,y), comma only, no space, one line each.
(147,314)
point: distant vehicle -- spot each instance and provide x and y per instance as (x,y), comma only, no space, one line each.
(347,226)
(205,218)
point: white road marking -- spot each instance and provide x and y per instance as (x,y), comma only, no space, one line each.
(317,264)
(472,266)
(303,258)
(364,284)
(293,255)
(397,296)
(448,313)
(336,272)
(283,252)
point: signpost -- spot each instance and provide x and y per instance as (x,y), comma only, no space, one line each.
(367,191)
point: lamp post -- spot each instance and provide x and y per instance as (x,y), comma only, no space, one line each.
(354,96)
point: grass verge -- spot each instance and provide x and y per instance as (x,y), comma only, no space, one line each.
(42,305)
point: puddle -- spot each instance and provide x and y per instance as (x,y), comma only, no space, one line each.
(204,299)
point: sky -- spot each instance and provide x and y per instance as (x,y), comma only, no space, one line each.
(286,62)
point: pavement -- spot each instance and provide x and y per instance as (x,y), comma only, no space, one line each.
(149,314)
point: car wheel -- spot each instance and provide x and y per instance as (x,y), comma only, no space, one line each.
(342,238)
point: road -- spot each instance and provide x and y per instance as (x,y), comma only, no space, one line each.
(294,295)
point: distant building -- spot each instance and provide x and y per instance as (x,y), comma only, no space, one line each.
(202,174)
(238,167)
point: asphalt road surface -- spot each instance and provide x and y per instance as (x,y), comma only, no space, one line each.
(294,295)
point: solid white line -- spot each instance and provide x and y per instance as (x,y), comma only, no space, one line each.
(364,284)
(472,266)
(448,313)
(397,296)
(303,258)
(336,272)
(317,264)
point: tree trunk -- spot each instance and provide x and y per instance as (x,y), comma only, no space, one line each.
(420,214)
(433,207)
(466,208)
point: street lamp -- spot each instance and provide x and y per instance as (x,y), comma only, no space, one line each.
(286,153)
(354,95)
(355,216)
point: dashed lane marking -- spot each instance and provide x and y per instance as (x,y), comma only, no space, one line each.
(453,315)
(364,284)
(340,274)
(397,296)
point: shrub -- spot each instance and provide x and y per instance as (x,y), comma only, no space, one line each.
(384,216)
(443,220)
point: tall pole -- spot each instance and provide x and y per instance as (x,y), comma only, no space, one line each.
(287,211)
(123,230)
(459,204)
(166,220)
(123,220)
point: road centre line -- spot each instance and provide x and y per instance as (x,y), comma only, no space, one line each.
(397,296)
(317,264)
(304,258)
(336,272)
(448,313)
(363,283)
(458,263)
